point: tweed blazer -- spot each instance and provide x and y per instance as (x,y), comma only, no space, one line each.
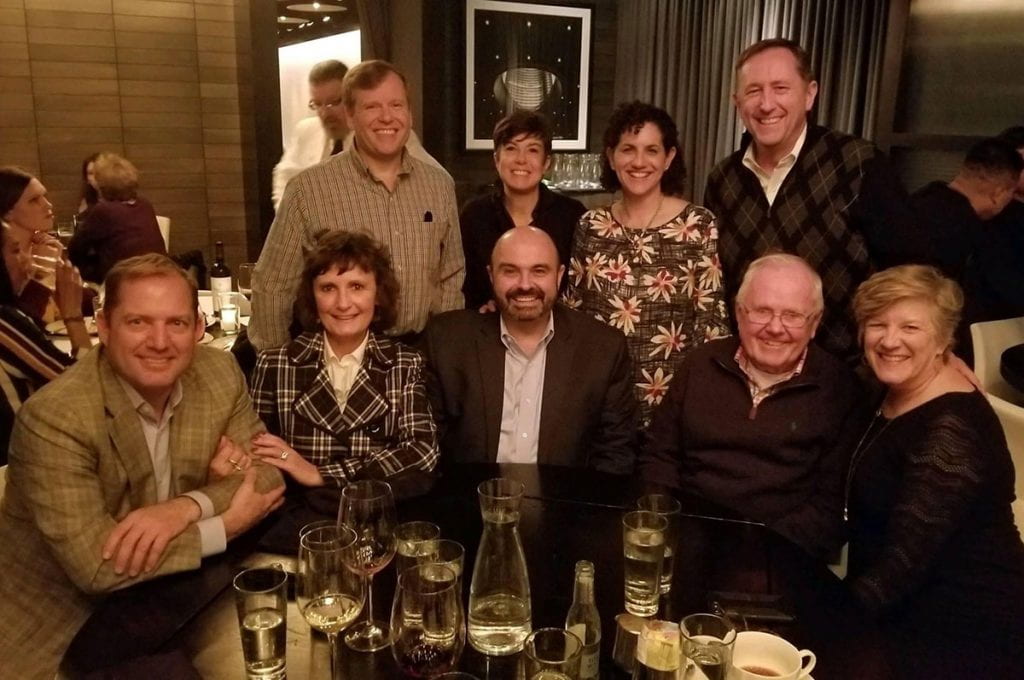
(588,409)
(385,427)
(78,464)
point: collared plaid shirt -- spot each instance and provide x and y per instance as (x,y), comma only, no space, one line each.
(385,427)
(759,394)
(418,222)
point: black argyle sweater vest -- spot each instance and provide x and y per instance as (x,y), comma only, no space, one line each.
(813,216)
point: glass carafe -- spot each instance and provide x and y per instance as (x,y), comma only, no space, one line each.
(499,596)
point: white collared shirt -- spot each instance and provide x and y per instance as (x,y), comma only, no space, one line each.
(157,431)
(342,371)
(771,180)
(523,394)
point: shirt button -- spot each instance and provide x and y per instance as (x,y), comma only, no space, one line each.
(524,435)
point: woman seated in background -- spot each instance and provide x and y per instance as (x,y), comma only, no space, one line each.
(522,154)
(121,225)
(934,552)
(28,358)
(341,401)
(648,263)
(90,195)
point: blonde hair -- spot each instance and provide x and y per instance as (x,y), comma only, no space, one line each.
(116,177)
(911,282)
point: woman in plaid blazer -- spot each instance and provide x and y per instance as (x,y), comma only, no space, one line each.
(341,401)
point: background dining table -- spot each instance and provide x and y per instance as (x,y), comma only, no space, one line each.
(567,515)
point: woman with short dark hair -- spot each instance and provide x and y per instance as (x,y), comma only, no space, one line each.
(121,225)
(934,553)
(648,263)
(342,401)
(522,154)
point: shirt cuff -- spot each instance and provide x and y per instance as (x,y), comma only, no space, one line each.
(212,537)
(203,501)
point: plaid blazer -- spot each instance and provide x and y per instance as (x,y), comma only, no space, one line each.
(78,464)
(385,427)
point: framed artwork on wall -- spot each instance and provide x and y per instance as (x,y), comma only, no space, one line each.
(527,56)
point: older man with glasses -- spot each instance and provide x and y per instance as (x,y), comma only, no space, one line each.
(751,423)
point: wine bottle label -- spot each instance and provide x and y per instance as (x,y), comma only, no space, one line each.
(219,284)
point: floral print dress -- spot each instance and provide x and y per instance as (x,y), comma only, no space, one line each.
(661,286)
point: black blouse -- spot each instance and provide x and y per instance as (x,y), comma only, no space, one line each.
(934,552)
(484,219)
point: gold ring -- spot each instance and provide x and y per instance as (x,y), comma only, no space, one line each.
(284,455)
(236,466)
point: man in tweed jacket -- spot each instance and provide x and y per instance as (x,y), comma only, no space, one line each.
(828,197)
(109,482)
(377,188)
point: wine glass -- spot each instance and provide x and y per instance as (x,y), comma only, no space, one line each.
(368,508)
(328,593)
(244,278)
(427,624)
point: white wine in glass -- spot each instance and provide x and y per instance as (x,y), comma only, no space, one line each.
(368,509)
(328,593)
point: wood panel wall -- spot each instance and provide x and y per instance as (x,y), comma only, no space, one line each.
(167,83)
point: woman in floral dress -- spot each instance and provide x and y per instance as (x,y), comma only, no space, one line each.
(648,263)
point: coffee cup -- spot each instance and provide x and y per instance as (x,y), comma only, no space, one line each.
(758,656)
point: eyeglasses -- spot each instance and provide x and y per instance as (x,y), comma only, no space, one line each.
(327,106)
(764,316)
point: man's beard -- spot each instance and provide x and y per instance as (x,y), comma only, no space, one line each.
(510,310)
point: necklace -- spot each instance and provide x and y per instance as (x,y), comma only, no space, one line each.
(863,446)
(629,218)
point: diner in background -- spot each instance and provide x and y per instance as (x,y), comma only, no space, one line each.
(934,553)
(648,263)
(535,383)
(752,423)
(374,187)
(831,198)
(113,476)
(522,154)
(121,225)
(89,195)
(342,401)
(27,357)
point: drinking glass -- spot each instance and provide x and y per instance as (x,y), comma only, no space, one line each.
(643,547)
(414,543)
(669,508)
(427,623)
(708,641)
(451,554)
(45,256)
(261,597)
(228,313)
(244,278)
(328,593)
(552,654)
(66,230)
(368,508)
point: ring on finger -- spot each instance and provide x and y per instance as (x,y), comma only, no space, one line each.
(284,455)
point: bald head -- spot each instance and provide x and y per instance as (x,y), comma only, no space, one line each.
(525,273)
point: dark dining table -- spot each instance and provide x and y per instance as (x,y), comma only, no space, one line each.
(567,515)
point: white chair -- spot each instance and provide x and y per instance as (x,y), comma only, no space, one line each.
(990,339)
(165,230)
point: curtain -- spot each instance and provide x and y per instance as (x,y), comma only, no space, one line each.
(374,28)
(680,55)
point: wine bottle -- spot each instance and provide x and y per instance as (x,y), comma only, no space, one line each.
(584,621)
(658,653)
(220,277)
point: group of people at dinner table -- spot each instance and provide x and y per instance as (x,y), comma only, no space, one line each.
(620,338)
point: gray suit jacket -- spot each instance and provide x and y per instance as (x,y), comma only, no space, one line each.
(588,412)
(78,464)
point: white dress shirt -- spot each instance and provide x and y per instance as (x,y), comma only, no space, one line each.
(342,371)
(771,180)
(524,391)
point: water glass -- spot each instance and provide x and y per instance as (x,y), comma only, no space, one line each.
(708,642)
(244,278)
(643,546)
(552,653)
(414,543)
(427,623)
(261,597)
(45,256)
(451,554)
(669,508)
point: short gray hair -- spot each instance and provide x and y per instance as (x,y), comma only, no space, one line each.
(781,260)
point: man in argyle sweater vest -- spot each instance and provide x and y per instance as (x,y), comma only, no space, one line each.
(803,189)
